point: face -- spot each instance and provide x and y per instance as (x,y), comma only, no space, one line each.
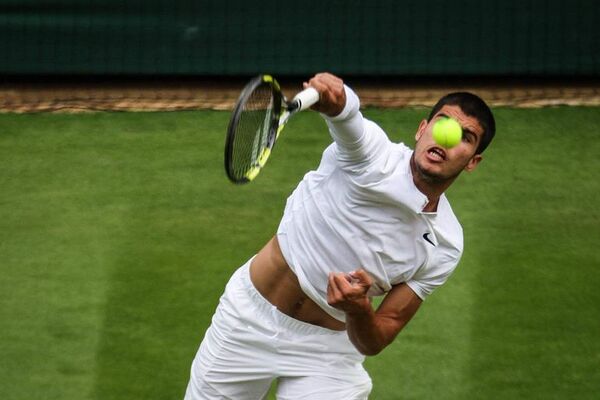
(437,164)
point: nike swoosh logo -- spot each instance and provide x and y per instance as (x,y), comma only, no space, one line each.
(425,236)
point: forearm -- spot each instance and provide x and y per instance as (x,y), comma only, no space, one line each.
(347,128)
(372,330)
(369,332)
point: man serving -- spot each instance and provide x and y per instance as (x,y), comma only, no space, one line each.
(371,220)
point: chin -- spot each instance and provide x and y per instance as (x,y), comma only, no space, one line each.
(428,174)
(434,175)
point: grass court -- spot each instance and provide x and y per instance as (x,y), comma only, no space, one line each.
(118,232)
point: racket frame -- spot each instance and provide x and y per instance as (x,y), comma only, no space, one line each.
(281,113)
(277,101)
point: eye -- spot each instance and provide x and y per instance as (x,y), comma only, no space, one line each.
(468,137)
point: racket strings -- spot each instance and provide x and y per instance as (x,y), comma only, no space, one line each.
(252,132)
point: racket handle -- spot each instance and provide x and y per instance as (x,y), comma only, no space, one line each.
(304,99)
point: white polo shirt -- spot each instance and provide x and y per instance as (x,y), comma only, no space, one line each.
(361,209)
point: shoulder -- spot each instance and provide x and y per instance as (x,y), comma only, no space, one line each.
(448,225)
(445,254)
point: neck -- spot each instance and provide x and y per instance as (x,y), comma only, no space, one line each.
(431,186)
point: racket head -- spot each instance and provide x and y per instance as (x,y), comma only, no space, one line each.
(252,129)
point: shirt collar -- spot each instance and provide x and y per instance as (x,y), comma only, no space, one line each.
(418,200)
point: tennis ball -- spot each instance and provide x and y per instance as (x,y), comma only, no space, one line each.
(447,132)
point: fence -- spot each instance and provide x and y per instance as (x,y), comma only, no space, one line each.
(360,37)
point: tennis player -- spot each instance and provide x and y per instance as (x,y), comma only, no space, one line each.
(371,220)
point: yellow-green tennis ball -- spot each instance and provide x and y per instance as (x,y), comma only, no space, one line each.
(447,132)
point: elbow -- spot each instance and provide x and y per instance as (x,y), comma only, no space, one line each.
(370,350)
(372,346)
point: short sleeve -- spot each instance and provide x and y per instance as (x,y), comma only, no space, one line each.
(430,277)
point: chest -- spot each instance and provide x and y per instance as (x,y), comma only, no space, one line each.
(386,237)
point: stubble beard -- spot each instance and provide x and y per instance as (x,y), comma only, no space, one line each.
(433,178)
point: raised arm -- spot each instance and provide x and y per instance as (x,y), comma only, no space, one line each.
(358,140)
(340,107)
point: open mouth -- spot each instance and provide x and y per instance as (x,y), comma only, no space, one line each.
(437,153)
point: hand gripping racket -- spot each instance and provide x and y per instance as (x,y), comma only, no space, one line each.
(258,118)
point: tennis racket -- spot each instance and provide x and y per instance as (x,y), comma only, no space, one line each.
(258,118)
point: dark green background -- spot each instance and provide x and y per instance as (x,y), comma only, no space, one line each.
(177,38)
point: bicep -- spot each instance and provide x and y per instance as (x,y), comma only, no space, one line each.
(358,140)
(398,307)
(358,155)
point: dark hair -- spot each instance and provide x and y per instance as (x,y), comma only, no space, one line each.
(475,107)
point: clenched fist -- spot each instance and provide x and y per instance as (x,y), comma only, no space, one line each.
(332,97)
(348,292)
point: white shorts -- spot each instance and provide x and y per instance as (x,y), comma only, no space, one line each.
(250,343)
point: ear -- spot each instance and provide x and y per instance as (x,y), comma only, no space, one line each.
(473,162)
(421,129)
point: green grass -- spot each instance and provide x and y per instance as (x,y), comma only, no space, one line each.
(118,232)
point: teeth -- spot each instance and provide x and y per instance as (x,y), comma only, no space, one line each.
(437,153)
